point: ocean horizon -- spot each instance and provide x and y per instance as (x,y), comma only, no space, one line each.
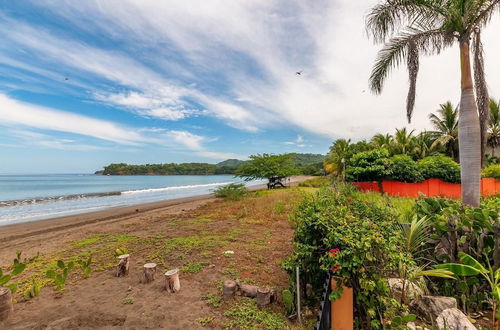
(32,197)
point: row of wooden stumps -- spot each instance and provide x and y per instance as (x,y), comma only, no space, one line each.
(263,295)
(172,281)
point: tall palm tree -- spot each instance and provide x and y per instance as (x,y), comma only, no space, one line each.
(410,28)
(494,126)
(381,140)
(445,123)
(403,142)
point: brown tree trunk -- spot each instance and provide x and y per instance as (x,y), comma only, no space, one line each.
(263,297)
(469,134)
(230,288)
(6,306)
(123,265)
(172,282)
(148,273)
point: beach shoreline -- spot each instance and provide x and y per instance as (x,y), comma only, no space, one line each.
(30,236)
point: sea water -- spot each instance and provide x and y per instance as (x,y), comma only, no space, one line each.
(34,197)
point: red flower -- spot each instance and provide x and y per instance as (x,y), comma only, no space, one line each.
(333,252)
(335,268)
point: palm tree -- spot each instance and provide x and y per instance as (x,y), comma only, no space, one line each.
(381,140)
(494,126)
(424,145)
(410,28)
(445,123)
(403,142)
(336,159)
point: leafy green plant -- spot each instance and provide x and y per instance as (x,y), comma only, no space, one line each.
(60,276)
(120,251)
(491,171)
(439,167)
(85,266)
(288,301)
(399,323)
(5,278)
(205,320)
(338,231)
(33,289)
(213,300)
(233,191)
(246,315)
(472,267)
(194,267)
(266,166)
(403,168)
(372,165)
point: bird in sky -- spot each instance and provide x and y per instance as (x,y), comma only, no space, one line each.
(299,72)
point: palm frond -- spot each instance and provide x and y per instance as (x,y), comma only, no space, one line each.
(407,46)
(386,18)
(486,11)
(416,233)
(482,97)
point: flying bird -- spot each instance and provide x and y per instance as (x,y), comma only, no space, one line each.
(66,78)
(298,73)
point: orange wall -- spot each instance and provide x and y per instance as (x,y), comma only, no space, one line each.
(430,187)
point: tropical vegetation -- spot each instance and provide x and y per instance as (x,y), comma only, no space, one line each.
(409,29)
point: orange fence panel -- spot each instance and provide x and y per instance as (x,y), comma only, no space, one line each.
(430,187)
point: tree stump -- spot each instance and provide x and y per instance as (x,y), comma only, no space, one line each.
(122,267)
(248,290)
(263,297)
(172,282)
(6,306)
(230,287)
(148,273)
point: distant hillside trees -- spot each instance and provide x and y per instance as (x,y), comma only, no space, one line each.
(308,164)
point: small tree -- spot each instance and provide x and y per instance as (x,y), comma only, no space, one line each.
(267,166)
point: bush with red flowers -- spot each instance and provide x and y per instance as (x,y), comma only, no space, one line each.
(359,242)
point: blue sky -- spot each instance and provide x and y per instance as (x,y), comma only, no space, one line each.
(87,83)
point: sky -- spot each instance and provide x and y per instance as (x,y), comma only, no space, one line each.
(87,83)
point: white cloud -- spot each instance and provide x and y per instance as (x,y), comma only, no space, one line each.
(254,48)
(14,112)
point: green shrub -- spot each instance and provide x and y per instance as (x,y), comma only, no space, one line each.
(403,168)
(455,229)
(372,165)
(491,171)
(337,230)
(233,191)
(440,167)
(315,182)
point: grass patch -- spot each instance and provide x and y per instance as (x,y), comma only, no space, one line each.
(315,182)
(205,320)
(194,267)
(91,240)
(213,300)
(246,315)
(231,272)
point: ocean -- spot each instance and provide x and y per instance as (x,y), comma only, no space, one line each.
(34,197)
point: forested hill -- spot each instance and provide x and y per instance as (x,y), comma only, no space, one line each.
(310,164)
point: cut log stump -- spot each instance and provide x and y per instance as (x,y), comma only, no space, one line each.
(123,265)
(6,306)
(229,290)
(263,297)
(148,273)
(247,290)
(172,282)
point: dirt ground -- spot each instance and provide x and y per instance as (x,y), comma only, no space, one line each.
(192,237)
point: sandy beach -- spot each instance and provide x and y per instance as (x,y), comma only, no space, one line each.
(50,234)
(189,233)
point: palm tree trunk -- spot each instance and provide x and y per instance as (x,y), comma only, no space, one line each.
(469,134)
